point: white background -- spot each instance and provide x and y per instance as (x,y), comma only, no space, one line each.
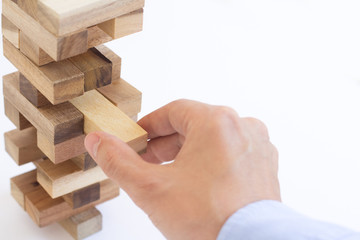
(295,64)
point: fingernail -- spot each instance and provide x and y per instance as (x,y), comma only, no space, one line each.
(92,142)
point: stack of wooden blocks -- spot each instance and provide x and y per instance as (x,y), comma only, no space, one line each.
(68,85)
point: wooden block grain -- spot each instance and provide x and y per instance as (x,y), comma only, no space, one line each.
(65,177)
(31,93)
(84,224)
(31,50)
(63,151)
(15,116)
(44,210)
(123,95)
(58,47)
(57,81)
(22,146)
(10,31)
(96,37)
(97,69)
(101,115)
(63,17)
(84,161)
(57,122)
(114,58)
(29,6)
(124,25)
(22,185)
(83,196)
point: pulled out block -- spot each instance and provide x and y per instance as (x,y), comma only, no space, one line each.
(65,177)
(83,224)
(22,147)
(101,115)
(83,196)
(44,210)
(22,185)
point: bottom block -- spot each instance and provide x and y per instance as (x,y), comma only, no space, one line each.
(84,224)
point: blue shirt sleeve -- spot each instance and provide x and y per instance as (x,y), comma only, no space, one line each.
(266,220)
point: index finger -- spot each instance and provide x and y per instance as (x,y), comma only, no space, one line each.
(175,117)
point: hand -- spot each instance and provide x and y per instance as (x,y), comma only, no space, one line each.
(221,163)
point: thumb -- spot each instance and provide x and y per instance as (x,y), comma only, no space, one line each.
(119,162)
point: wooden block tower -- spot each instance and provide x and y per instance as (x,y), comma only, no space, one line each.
(68,85)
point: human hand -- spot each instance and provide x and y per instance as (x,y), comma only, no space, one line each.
(221,163)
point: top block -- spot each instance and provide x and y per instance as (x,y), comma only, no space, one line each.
(66,16)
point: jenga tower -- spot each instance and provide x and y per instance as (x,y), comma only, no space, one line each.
(68,85)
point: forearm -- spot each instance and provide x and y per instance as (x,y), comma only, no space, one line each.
(272,220)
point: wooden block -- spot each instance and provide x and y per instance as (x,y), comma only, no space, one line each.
(10,31)
(114,58)
(84,161)
(63,151)
(57,122)
(21,146)
(101,115)
(58,48)
(44,210)
(96,68)
(15,116)
(97,36)
(84,224)
(31,93)
(65,177)
(29,6)
(63,17)
(83,196)
(124,25)
(22,185)
(134,118)
(57,81)
(124,96)
(31,50)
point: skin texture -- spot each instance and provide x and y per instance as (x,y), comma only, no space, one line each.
(221,163)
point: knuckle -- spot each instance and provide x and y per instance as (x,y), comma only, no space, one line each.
(258,125)
(222,115)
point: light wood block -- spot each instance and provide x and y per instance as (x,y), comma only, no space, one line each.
(123,95)
(31,93)
(96,68)
(31,50)
(84,161)
(57,122)
(44,210)
(134,118)
(124,25)
(57,81)
(29,6)
(83,196)
(114,58)
(63,17)
(58,48)
(101,115)
(10,31)
(22,147)
(63,151)
(22,185)
(84,224)
(66,177)
(15,116)
(96,37)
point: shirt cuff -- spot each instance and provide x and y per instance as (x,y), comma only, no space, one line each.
(273,220)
